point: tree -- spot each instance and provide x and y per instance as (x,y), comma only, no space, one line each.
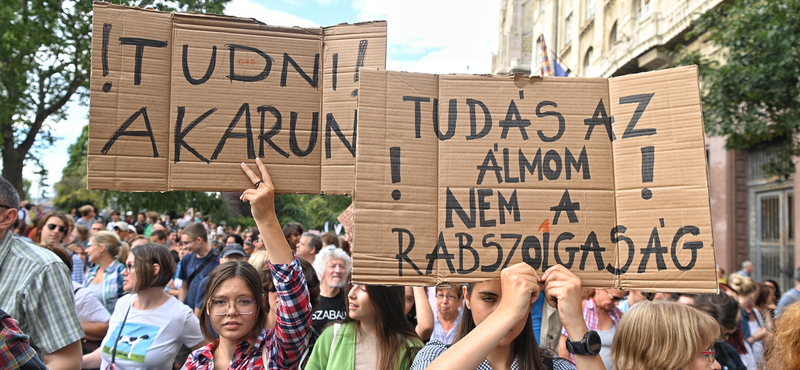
(71,191)
(45,58)
(753,96)
(312,211)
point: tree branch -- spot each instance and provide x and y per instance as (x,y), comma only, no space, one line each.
(46,112)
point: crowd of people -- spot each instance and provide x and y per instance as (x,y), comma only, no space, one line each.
(82,290)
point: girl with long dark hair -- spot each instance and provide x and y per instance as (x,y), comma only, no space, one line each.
(374,335)
(496,330)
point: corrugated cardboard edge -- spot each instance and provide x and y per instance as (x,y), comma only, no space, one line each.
(708,189)
(242,23)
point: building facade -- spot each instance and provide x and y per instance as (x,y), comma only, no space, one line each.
(752,214)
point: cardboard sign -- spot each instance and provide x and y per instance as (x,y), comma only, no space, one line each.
(179,100)
(346,219)
(459,176)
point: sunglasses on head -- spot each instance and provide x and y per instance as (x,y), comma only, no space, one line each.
(52,227)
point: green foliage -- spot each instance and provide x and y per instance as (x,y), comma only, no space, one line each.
(753,98)
(244,222)
(312,211)
(45,53)
(71,191)
(26,188)
(209,204)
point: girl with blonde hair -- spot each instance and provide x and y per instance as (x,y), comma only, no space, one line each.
(754,327)
(785,352)
(665,335)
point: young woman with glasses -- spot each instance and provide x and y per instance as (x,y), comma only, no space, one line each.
(148,326)
(104,279)
(665,335)
(234,302)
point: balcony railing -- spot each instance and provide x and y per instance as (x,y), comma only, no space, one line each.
(655,30)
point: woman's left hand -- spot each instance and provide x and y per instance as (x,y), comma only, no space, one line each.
(563,291)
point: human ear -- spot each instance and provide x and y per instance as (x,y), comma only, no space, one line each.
(465,296)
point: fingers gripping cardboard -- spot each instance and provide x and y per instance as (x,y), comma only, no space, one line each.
(177,98)
(460,176)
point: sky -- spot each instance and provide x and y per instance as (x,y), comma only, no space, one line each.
(432,36)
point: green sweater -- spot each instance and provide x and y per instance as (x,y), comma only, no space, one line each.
(343,356)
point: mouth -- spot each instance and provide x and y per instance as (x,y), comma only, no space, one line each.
(352,307)
(231,325)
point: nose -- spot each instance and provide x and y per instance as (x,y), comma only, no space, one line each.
(352,294)
(232,310)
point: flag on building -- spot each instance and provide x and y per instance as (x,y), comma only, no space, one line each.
(545,67)
(546,70)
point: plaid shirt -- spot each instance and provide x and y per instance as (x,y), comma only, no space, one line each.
(15,350)
(77,267)
(112,283)
(285,343)
(35,289)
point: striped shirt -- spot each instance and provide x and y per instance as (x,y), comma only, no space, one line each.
(35,289)
(112,283)
(435,348)
(77,267)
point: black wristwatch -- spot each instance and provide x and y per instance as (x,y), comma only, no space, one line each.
(589,346)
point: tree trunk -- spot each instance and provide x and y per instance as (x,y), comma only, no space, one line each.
(12,169)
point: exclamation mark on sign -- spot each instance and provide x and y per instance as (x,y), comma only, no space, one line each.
(394,155)
(362,54)
(648,157)
(106,36)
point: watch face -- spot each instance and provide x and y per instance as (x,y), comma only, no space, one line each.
(593,342)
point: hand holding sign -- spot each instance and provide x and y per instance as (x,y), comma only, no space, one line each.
(520,284)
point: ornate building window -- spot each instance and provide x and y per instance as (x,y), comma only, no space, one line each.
(587,64)
(568,30)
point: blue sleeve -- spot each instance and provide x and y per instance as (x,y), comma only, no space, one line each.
(182,271)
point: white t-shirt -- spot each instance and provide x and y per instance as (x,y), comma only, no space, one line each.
(88,308)
(150,339)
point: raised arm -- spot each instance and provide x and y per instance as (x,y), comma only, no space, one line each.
(520,290)
(262,205)
(424,314)
(563,291)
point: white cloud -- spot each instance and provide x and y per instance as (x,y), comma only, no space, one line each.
(451,35)
(249,9)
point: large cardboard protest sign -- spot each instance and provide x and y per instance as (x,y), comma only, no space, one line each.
(459,176)
(177,100)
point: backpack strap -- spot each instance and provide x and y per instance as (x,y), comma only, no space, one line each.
(336,328)
(214,253)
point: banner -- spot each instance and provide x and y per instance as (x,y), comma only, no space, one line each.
(459,176)
(179,99)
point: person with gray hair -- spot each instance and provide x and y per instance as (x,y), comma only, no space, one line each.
(36,290)
(333,267)
(747,269)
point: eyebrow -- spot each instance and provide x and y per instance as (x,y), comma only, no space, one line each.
(489,294)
